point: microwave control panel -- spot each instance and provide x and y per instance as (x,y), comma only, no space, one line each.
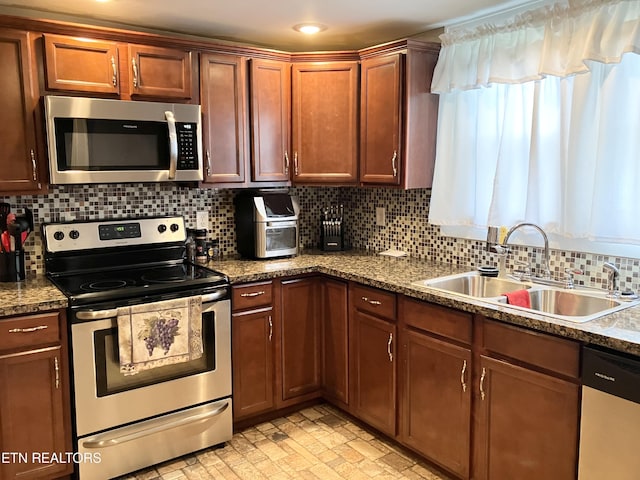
(187,146)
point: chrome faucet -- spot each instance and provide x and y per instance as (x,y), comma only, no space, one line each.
(547,270)
(613,278)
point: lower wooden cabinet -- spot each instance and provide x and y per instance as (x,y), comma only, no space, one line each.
(372,355)
(526,424)
(335,341)
(34,397)
(436,400)
(253,362)
(300,338)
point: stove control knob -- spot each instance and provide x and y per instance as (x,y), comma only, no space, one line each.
(162,228)
(74,234)
(58,235)
(174,227)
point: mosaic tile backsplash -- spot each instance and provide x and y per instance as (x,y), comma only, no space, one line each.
(406,226)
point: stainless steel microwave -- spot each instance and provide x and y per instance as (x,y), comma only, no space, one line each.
(94,140)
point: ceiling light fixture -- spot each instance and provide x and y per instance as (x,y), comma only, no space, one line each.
(309,28)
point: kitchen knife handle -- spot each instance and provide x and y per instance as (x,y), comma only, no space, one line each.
(114,77)
(135,72)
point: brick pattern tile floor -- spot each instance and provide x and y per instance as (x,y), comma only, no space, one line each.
(317,443)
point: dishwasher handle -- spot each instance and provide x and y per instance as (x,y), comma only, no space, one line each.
(611,372)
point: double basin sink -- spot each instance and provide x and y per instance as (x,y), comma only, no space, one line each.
(564,304)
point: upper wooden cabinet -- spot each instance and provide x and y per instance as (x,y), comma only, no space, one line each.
(223,96)
(325,122)
(398,116)
(20,167)
(127,70)
(270,87)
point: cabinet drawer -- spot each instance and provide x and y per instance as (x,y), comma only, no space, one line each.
(372,300)
(29,331)
(442,321)
(538,349)
(251,295)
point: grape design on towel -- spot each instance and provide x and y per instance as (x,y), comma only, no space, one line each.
(162,333)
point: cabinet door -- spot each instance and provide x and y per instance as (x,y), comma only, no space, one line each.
(81,65)
(270,86)
(159,72)
(381,94)
(436,400)
(335,359)
(526,424)
(373,371)
(19,171)
(325,122)
(223,94)
(253,362)
(300,359)
(32,413)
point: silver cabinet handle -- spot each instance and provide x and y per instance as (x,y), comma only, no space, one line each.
(114,77)
(208,163)
(393,163)
(173,143)
(371,302)
(295,163)
(34,165)
(482,394)
(270,328)
(286,163)
(28,330)
(462,376)
(135,72)
(389,347)
(107,439)
(56,366)
(252,294)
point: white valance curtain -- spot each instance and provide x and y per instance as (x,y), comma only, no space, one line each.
(539,121)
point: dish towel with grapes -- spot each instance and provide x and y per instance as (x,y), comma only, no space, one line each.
(155,334)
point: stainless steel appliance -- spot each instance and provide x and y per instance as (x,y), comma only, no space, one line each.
(267,224)
(610,419)
(133,421)
(94,140)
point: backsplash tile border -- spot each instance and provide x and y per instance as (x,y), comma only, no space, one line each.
(406,226)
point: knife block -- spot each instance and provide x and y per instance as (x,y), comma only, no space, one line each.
(332,236)
(12,266)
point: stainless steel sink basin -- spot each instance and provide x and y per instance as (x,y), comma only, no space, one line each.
(473,285)
(572,306)
(569,305)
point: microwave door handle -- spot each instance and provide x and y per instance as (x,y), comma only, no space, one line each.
(173,144)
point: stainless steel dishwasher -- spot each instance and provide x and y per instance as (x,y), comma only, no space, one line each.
(610,422)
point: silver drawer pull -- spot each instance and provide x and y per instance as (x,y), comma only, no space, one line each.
(252,294)
(482,392)
(389,347)
(270,328)
(57,371)
(28,330)
(462,376)
(372,302)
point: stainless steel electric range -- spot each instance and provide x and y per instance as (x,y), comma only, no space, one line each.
(146,410)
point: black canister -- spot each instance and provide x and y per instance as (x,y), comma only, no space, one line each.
(200,238)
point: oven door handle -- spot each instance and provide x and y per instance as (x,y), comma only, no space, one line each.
(97,314)
(113,312)
(108,440)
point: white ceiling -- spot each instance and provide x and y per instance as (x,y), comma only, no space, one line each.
(351,24)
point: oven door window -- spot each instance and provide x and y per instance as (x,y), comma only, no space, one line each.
(280,238)
(109,380)
(105,145)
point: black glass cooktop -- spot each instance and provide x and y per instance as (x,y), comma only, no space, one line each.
(104,285)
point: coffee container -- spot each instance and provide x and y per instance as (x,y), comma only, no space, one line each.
(199,236)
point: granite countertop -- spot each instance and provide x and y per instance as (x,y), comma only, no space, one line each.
(620,330)
(30,296)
